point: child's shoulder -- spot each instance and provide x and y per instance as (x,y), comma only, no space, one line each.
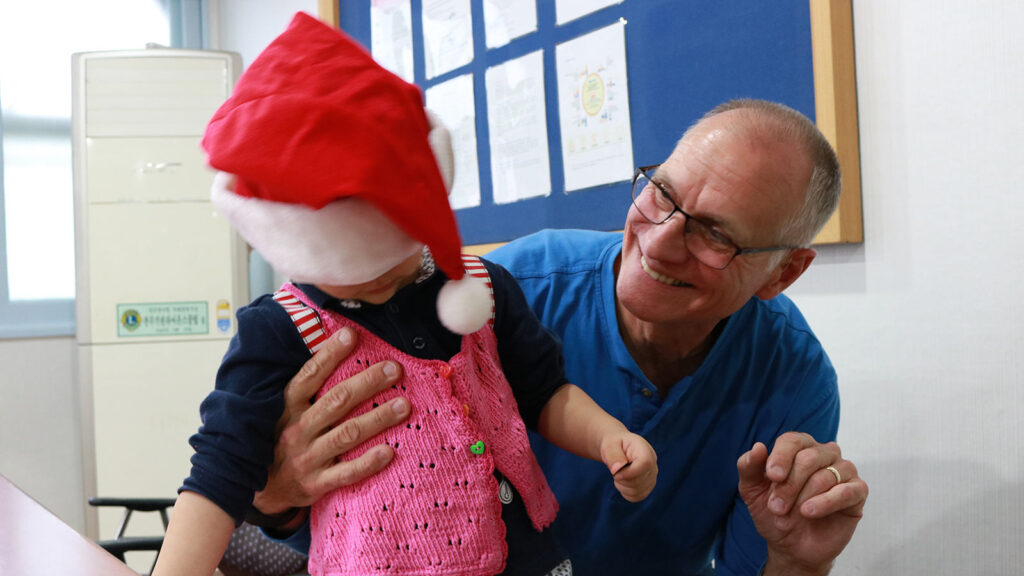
(262,304)
(263,313)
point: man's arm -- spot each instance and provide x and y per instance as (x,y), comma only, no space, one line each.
(310,438)
(806,512)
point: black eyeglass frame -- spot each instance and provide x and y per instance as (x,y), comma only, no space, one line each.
(737,250)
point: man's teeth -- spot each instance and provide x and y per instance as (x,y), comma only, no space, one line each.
(659,277)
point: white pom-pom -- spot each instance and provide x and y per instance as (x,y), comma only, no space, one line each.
(464,306)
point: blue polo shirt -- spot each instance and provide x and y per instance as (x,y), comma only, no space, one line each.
(766,374)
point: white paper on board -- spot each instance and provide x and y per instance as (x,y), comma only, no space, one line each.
(454,104)
(391,36)
(506,20)
(593,106)
(517,122)
(447,36)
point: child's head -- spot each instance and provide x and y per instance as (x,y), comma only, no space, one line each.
(380,289)
(331,169)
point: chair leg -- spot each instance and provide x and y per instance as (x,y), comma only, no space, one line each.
(124,523)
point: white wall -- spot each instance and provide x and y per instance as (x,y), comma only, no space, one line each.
(922,321)
(247,26)
(40,423)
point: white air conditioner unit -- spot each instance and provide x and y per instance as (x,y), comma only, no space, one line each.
(159,272)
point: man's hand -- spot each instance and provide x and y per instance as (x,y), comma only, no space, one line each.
(806,512)
(305,458)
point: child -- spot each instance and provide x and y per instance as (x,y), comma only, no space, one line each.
(330,168)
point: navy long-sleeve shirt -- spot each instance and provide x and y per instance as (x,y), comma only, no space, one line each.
(235,444)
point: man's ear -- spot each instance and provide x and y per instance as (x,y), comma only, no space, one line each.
(786,272)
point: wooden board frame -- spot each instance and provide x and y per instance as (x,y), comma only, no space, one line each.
(835,106)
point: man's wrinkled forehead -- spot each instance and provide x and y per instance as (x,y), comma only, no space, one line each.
(703,142)
(715,128)
(738,156)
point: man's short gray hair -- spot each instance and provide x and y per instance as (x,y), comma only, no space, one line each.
(823,190)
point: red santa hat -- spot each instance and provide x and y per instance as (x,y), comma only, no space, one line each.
(332,170)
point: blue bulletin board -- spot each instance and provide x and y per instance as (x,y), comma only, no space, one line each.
(683,57)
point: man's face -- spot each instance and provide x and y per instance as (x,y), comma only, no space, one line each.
(747,187)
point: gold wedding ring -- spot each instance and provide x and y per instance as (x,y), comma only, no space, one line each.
(839,478)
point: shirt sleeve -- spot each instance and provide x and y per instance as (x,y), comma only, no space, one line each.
(299,540)
(235,443)
(742,550)
(531,355)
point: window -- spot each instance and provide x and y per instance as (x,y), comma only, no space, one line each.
(37,260)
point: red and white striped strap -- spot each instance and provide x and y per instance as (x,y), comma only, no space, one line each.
(306,320)
(475,268)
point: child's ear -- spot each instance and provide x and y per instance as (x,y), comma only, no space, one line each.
(787,271)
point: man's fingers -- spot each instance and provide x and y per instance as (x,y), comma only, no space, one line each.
(750,466)
(349,472)
(347,394)
(847,498)
(315,371)
(784,454)
(797,468)
(823,495)
(356,430)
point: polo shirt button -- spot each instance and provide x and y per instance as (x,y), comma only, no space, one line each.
(647,392)
(392,307)
(419,343)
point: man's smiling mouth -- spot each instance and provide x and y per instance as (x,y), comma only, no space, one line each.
(660,277)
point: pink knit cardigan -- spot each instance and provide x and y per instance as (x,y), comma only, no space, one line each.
(435,508)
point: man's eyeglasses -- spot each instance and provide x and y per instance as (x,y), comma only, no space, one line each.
(709,246)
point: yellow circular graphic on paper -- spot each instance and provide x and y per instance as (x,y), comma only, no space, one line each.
(131,320)
(593,94)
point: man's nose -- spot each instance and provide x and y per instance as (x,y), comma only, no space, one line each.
(667,241)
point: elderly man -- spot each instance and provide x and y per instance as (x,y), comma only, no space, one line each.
(678,328)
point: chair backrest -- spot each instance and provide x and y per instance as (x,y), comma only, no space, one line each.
(249,552)
(120,544)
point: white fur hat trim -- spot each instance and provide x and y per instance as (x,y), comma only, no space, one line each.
(346,242)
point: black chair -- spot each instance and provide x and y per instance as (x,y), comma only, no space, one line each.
(249,553)
(121,543)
